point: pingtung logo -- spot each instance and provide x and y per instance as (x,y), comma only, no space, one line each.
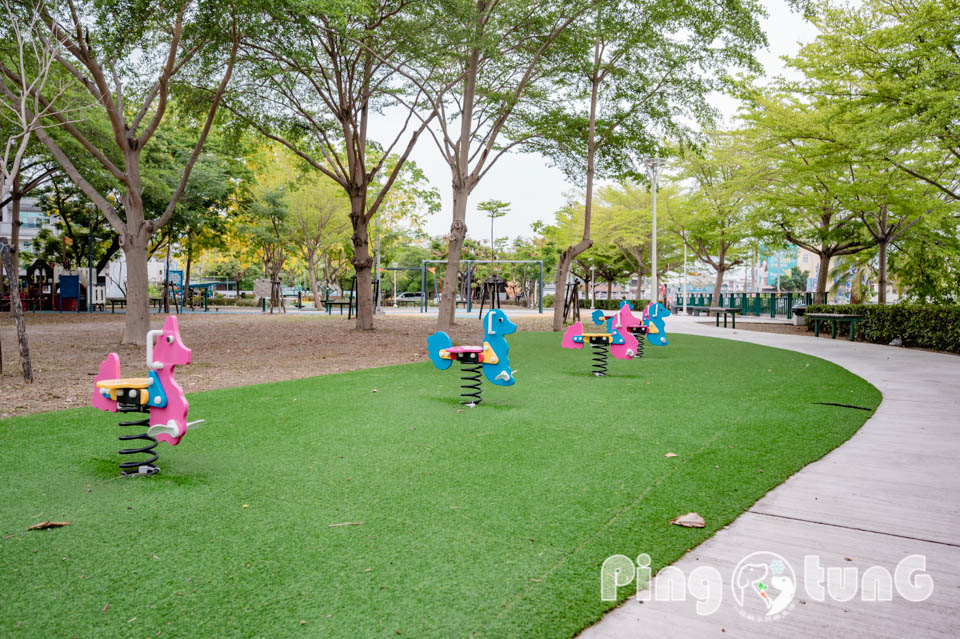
(764,585)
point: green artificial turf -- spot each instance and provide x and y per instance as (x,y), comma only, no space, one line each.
(491,521)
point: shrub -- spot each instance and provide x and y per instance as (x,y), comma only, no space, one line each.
(607,305)
(613,305)
(920,325)
(217,300)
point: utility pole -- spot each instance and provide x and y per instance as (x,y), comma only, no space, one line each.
(654,169)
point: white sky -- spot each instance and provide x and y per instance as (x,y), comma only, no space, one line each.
(534,190)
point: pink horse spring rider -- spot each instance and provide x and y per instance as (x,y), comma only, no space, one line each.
(159,394)
(618,338)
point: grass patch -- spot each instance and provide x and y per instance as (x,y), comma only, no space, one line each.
(490,522)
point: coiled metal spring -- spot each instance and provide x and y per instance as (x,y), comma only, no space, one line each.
(470,384)
(641,339)
(600,353)
(143,467)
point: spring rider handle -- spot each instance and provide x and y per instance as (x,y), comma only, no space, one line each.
(152,365)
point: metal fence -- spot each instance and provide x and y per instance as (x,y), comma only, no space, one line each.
(757,304)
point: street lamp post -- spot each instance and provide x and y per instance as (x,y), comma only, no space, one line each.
(593,286)
(684,278)
(394,266)
(654,169)
(379,309)
(90,269)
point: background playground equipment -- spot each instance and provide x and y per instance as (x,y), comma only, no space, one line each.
(618,337)
(491,358)
(159,394)
(470,289)
(653,319)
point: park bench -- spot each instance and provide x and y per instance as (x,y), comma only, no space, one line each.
(834,319)
(329,304)
(721,310)
(117,301)
(696,309)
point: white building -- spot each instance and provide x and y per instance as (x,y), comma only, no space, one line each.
(32,220)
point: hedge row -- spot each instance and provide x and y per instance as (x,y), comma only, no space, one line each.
(607,305)
(920,325)
(232,301)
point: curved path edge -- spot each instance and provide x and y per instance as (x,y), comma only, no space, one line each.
(891,491)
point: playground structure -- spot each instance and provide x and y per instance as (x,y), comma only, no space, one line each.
(49,287)
(491,359)
(159,394)
(619,337)
(487,292)
(653,316)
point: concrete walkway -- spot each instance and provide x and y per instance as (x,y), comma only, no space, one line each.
(891,491)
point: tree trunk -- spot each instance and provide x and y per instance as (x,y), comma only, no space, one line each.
(882,284)
(186,273)
(820,296)
(458,230)
(717,287)
(362,263)
(609,289)
(13,273)
(563,268)
(15,223)
(312,276)
(639,283)
(138,292)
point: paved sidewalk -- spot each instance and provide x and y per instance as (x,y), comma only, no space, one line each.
(892,490)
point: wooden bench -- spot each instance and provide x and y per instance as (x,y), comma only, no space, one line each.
(834,319)
(721,310)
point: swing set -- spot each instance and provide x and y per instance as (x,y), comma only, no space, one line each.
(490,292)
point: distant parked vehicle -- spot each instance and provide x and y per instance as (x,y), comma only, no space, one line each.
(410,296)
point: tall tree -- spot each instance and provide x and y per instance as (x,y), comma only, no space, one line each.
(643,68)
(894,66)
(494,209)
(624,216)
(715,220)
(313,76)
(109,47)
(499,51)
(806,179)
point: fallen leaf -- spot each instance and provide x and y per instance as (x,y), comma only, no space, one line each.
(105,606)
(374,390)
(245,506)
(303,621)
(131,619)
(347,523)
(670,455)
(43,525)
(690,520)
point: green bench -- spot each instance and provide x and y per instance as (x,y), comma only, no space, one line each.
(722,310)
(696,309)
(835,319)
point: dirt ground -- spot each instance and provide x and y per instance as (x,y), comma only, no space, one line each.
(228,350)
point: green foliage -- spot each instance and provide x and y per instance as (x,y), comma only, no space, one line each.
(614,305)
(217,300)
(920,325)
(650,65)
(926,263)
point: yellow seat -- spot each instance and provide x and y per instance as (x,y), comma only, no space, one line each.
(126,382)
(135,383)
